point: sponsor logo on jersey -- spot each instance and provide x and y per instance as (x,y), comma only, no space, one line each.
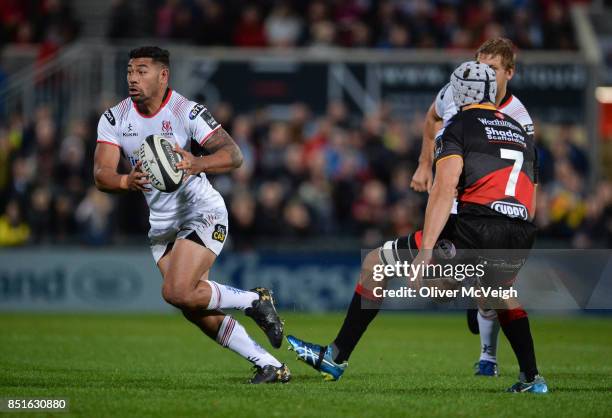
(506,136)
(219,233)
(195,111)
(110,117)
(209,119)
(166,128)
(130,131)
(499,123)
(134,158)
(511,210)
(529,129)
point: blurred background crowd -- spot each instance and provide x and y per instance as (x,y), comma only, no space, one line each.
(330,177)
(317,179)
(386,24)
(48,24)
(350,23)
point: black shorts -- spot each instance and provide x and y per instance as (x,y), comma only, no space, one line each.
(193,236)
(500,243)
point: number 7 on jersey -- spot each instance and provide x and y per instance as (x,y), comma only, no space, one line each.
(517,156)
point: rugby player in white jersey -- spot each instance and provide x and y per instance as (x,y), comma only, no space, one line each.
(190,225)
(499,54)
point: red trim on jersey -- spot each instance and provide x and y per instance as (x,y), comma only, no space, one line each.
(492,187)
(502,105)
(102,141)
(209,135)
(418,238)
(166,100)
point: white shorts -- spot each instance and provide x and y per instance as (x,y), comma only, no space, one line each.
(210,225)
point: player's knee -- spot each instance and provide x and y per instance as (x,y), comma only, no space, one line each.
(489,314)
(368,265)
(175,296)
(370,260)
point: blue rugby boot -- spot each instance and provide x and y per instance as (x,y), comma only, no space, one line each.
(538,385)
(318,357)
(486,368)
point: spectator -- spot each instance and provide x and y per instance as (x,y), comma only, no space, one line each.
(397,38)
(370,211)
(273,151)
(121,20)
(557,28)
(249,31)
(41,215)
(13,230)
(212,28)
(94,217)
(297,222)
(567,206)
(322,36)
(270,209)
(165,19)
(282,27)
(242,220)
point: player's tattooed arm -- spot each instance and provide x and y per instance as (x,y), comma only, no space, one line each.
(224,155)
(222,142)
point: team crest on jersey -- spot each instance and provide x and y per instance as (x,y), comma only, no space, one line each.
(219,233)
(195,111)
(166,128)
(110,117)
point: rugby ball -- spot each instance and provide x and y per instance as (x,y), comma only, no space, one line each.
(159,161)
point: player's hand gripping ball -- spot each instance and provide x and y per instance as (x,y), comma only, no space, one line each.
(159,161)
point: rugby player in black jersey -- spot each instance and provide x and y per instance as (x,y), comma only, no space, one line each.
(488,161)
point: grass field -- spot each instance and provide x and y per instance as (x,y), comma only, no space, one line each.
(407,365)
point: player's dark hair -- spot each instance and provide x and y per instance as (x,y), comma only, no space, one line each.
(502,47)
(155,53)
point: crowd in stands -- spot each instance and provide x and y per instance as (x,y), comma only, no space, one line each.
(385,24)
(48,24)
(318,177)
(319,24)
(309,176)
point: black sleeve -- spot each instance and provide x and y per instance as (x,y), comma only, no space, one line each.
(450,141)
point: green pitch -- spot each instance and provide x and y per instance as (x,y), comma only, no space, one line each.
(407,365)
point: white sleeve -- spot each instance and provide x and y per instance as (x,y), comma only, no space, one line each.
(441,102)
(107,132)
(528,124)
(518,112)
(201,123)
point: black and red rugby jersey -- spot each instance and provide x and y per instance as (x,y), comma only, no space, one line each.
(500,166)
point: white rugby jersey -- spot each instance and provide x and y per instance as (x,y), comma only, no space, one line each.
(510,105)
(178,120)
